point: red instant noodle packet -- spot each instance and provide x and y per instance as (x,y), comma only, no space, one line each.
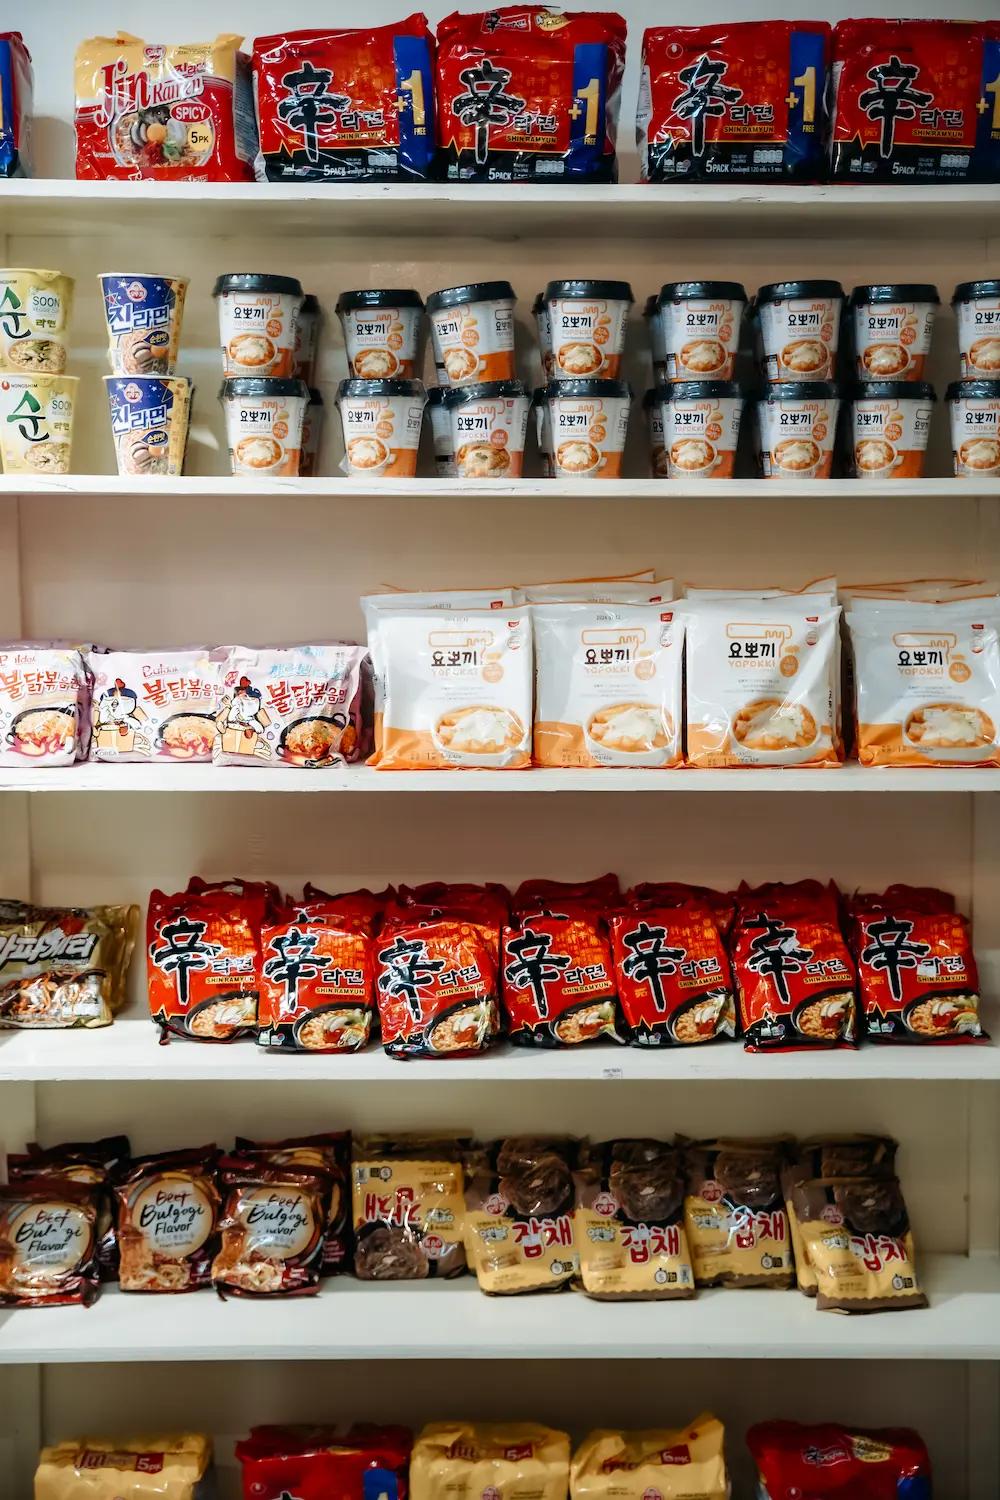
(317,978)
(795,978)
(917,974)
(558,973)
(318,1463)
(826,1461)
(672,972)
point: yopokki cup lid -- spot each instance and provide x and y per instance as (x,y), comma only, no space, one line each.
(899,291)
(800,390)
(781,291)
(258,385)
(475,291)
(486,390)
(975,390)
(256,281)
(969,291)
(700,291)
(587,387)
(700,390)
(363,388)
(611,291)
(378,297)
(893,390)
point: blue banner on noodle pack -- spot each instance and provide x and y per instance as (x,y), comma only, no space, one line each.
(143,315)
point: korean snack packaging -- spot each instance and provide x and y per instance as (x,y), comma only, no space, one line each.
(265,420)
(160,1467)
(144,315)
(511,105)
(289,705)
(271,1228)
(926,681)
(37,307)
(512,1460)
(589,424)
(558,974)
(328,1152)
(797,429)
(258,322)
(472,332)
(317,1461)
(855,1234)
(489,425)
(737,1227)
(701,427)
(652,407)
(150,416)
(727,102)
(587,320)
(408,1197)
(892,327)
(656,334)
(671,968)
(203,959)
(543,431)
(48,1230)
(152,705)
(977,313)
(890,424)
(317,975)
(381,332)
(608,684)
(440,418)
(307,328)
(44,705)
(974,408)
(167,113)
(763,681)
(519,1215)
(799,327)
(630,1232)
(682,1463)
(312,434)
(543,328)
(840,1156)
(382,421)
(348,104)
(36,423)
(168,1220)
(16,84)
(63,966)
(93,1163)
(700,324)
(885,1462)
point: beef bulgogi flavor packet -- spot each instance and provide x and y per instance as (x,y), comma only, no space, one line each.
(168,1213)
(519,1202)
(408,1195)
(528,94)
(153,705)
(672,972)
(830,1156)
(798,1461)
(855,1234)
(734,1213)
(290,705)
(16,85)
(914,101)
(630,1233)
(739,102)
(48,1242)
(349,104)
(917,974)
(272,1229)
(331,1153)
(44,705)
(93,1163)
(795,978)
(203,959)
(63,966)
(317,975)
(145,110)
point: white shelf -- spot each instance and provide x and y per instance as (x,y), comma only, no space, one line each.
(494,210)
(92,777)
(129,1051)
(352,1321)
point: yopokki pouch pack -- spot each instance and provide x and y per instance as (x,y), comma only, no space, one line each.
(914,101)
(739,102)
(345,104)
(152,705)
(917,974)
(317,976)
(409,1207)
(825,1461)
(528,94)
(317,1462)
(290,705)
(168,1215)
(734,1213)
(795,978)
(92,1163)
(630,1232)
(519,1212)
(672,973)
(44,701)
(272,1227)
(558,972)
(16,84)
(63,966)
(145,110)
(203,959)
(48,1242)
(331,1153)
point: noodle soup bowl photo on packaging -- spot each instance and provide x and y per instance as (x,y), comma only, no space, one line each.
(36,423)
(258,322)
(264,424)
(149,422)
(489,423)
(36,309)
(381,332)
(382,422)
(143,314)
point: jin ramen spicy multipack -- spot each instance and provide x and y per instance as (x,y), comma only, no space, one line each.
(525,93)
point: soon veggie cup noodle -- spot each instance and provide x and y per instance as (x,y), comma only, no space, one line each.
(974,407)
(699,323)
(489,425)
(796,981)
(799,323)
(977,313)
(35,312)
(382,422)
(63,966)
(345,104)
(734,101)
(36,423)
(152,705)
(16,84)
(258,322)
(672,974)
(143,314)
(917,974)
(265,419)
(683,1463)
(168,1214)
(408,1197)
(44,706)
(701,427)
(290,705)
(587,320)
(381,332)
(528,94)
(509,1460)
(855,1233)
(472,331)
(48,1242)
(800,1460)
(734,1214)
(589,424)
(169,113)
(891,422)
(892,329)
(150,416)
(317,977)
(630,1222)
(203,960)
(797,422)
(519,1215)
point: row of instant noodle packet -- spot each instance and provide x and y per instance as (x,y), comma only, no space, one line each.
(620,1220)
(528,93)
(445,970)
(503,1460)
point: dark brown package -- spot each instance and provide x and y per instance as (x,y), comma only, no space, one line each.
(331,1152)
(48,1243)
(630,1233)
(91,1162)
(408,1201)
(734,1214)
(272,1228)
(855,1234)
(168,1214)
(519,1215)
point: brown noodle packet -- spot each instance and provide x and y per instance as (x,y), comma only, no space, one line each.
(830,1156)
(504,1460)
(272,1227)
(629,1228)
(168,1213)
(855,1232)
(734,1213)
(331,1152)
(408,1202)
(92,1163)
(684,1463)
(63,966)
(48,1243)
(519,1215)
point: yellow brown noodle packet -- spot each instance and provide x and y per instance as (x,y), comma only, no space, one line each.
(684,1463)
(855,1232)
(408,1201)
(153,1467)
(830,1156)
(734,1214)
(63,966)
(519,1209)
(629,1228)
(505,1460)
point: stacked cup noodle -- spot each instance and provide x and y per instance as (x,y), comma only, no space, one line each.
(37,397)
(695,410)
(974,401)
(381,403)
(268,330)
(150,403)
(891,403)
(583,411)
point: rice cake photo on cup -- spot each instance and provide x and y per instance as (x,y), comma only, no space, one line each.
(264,423)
